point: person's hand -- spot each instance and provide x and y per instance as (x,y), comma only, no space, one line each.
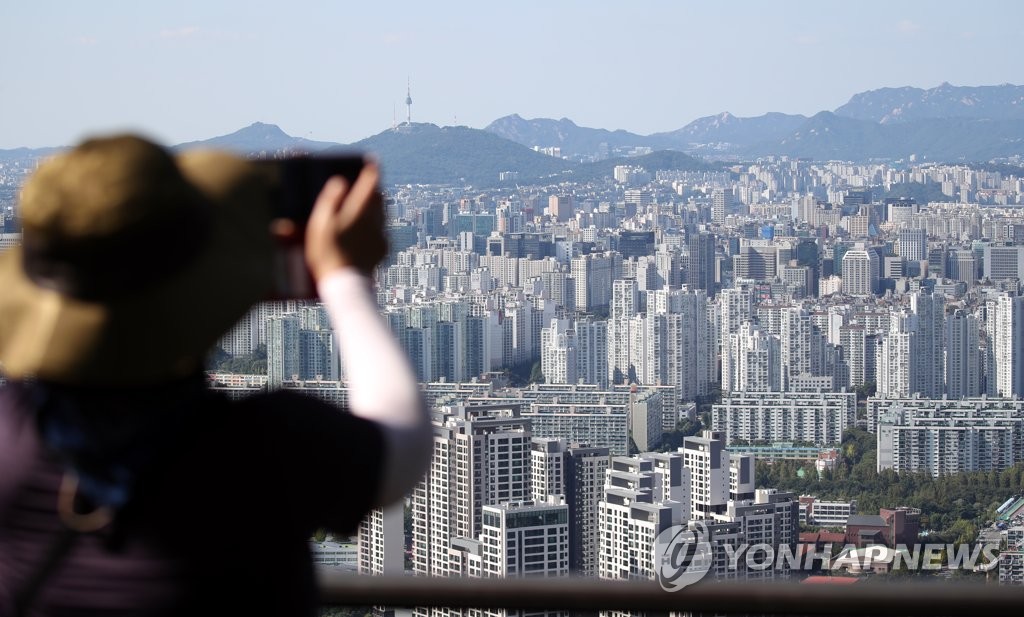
(346,227)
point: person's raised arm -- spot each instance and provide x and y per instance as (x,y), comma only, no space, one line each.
(344,243)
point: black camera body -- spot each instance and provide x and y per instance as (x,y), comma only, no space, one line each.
(296,182)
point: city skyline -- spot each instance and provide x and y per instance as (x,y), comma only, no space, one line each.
(190,71)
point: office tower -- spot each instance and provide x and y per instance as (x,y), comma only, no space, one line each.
(756,262)
(481,457)
(912,244)
(637,200)
(963,266)
(635,243)
(1003,262)
(561,207)
(860,272)
(938,256)
(700,266)
(963,355)
(1004,324)
(753,361)
(643,496)
(547,467)
(807,254)
(584,487)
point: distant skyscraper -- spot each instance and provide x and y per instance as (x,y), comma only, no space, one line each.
(721,202)
(963,361)
(1004,324)
(700,269)
(561,207)
(861,269)
(912,244)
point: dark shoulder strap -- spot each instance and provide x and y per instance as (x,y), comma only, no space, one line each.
(75,524)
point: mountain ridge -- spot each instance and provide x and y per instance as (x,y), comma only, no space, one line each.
(952,123)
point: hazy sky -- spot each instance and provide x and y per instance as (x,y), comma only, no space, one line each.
(336,71)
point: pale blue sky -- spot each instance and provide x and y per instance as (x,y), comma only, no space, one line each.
(336,71)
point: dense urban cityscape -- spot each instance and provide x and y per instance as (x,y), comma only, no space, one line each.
(607,359)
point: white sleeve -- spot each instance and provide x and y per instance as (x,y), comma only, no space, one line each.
(382,385)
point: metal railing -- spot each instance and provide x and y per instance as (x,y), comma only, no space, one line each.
(575,594)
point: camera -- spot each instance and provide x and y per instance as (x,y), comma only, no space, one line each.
(296,183)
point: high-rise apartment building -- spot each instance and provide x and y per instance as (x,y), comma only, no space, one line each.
(861,269)
(584,487)
(481,457)
(1004,324)
(963,355)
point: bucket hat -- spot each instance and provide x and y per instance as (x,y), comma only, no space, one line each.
(134,261)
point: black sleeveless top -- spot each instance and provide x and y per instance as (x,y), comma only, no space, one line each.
(219,518)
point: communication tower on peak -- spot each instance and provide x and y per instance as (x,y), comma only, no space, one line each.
(408,102)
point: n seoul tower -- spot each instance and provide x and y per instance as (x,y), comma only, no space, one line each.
(408,102)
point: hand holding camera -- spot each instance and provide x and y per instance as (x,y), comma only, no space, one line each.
(346,226)
(327,213)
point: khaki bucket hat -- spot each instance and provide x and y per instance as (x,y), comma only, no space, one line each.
(133,263)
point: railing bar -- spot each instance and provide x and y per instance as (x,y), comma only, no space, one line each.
(863,598)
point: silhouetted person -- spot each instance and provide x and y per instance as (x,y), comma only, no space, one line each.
(126,487)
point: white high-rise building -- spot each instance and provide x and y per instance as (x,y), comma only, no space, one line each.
(674,340)
(481,457)
(594,274)
(547,467)
(897,369)
(753,361)
(592,351)
(525,538)
(558,356)
(381,541)
(1005,327)
(861,270)
(643,496)
(963,355)
(912,244)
